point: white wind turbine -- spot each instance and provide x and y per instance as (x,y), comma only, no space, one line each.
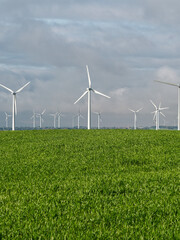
(7,117)
(40,117)
(99,118)
(59,115)
(135,117)
(88,91)
(178,86)
(34,119)
(73,121)
(78,118)
(54,116)
(14,104)
(157,112)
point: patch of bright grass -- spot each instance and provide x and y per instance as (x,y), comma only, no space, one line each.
(97,184)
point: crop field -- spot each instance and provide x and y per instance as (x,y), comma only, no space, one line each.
(96,184)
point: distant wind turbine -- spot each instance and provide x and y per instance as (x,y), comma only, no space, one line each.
(157,112)
(178,86)
(14,104)
(54,116)
(88,91)
(78,118)
(40,117)
(7,117)
(34,119)
(99,118)
(59,115)
(135,117)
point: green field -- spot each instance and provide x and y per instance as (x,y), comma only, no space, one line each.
(96,184)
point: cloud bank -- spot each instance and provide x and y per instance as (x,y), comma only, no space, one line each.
(126,44)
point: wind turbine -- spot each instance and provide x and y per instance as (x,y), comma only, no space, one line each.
(78,117)
(34,119)
(99,118)
(14,104)
(59,114)
(73,121)
(178,86)
(88,91)
(40,117)
(54,116)
(157,112)
(135,117)
(7,117)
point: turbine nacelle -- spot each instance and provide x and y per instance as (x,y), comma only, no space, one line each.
(89,89)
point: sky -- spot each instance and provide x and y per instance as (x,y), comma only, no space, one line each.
(127,44)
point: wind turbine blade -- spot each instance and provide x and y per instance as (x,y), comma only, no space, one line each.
(162,114)
(131,110)
(81,97)
(163,108)
(43,111)
(88,76)
(101,94)
(6,88)
(153,104)
(154,116)
(19,90)
(176,85)
(139,109)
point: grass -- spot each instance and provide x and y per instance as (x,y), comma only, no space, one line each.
(97,184)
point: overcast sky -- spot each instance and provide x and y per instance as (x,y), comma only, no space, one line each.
(127,44)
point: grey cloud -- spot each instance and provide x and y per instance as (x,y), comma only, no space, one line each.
(127,44)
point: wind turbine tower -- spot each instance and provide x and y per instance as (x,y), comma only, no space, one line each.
(178,86)
(40,117)
(135,117)
(59,115)
(73,121)
(78,118)
(157,112)
(99,118)
(7,117)
(14,104)
(54,116)
(88,91)
(34,119)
